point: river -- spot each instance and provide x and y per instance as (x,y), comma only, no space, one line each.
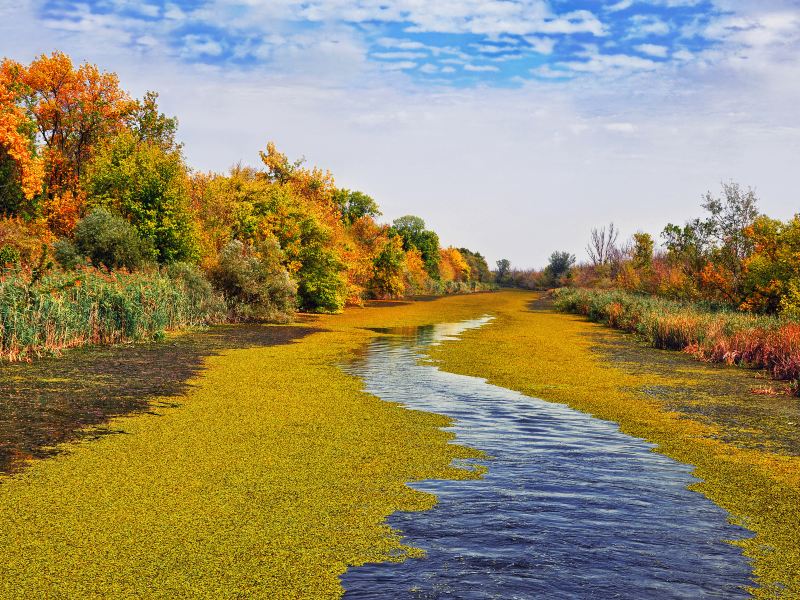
(570,507)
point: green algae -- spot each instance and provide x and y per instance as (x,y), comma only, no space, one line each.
(269,475)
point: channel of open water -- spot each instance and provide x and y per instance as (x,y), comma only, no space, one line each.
(570,507)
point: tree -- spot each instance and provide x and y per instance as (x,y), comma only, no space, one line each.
(602,245)
(74,110)
(416,237)
(21,170)
(151,125)
(479,269)
(559,266)
(642,251)
(503,270)
(355,205)
(388,280)
(148,185)
(729,217)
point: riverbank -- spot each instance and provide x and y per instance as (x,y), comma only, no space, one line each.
(748,459)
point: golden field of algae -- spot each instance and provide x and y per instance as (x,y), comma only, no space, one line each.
(270,475)
(275,471)
(745,466)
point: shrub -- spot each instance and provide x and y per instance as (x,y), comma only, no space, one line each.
(109,240)
(201,298)
(66,254)
(253,282)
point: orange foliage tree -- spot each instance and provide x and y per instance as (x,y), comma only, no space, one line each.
(73,110)
(17,148)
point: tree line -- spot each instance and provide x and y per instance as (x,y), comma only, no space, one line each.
(731,257)
(93,180)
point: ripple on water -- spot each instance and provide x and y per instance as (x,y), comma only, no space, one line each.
(570,507)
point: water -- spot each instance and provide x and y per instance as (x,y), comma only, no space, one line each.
(570,506)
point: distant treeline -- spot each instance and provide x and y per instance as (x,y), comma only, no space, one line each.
(98,210)
(734,257)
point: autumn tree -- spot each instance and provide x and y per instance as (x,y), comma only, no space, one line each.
(21,170)
(73,110)
(479,269)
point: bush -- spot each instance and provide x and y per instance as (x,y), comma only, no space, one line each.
(253,282)
(109,240)
(201,298)
(66,254)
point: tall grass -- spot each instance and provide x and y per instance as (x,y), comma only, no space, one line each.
(731,337)
(88,306)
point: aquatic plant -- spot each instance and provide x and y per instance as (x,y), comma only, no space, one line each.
(725,336)
(558,357)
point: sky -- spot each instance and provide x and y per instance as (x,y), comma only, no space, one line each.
(511,126)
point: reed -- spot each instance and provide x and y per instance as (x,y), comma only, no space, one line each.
(89,306)
(704,331)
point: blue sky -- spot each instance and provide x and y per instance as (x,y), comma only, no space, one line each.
(454,43)
(512,126)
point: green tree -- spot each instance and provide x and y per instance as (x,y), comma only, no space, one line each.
(642,252)
(354,205)
(503,270)
(148,186)
(415,236)
(559,267)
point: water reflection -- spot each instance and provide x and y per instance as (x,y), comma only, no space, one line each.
(570,507)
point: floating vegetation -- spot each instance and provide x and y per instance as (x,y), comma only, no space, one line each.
(751,471)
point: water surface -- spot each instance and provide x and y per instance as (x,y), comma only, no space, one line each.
(570,506)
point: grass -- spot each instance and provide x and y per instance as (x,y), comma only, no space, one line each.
(274,475)
(554,357)
(760,342)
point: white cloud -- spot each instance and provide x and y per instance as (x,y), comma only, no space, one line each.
(610,64)
(542,45)
(480,68)
(643,26)
(621,5)
(653,50)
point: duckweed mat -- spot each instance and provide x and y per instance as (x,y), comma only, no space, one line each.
(55,399)
(743,445)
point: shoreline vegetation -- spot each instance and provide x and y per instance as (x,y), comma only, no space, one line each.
(719,336)
(108,235)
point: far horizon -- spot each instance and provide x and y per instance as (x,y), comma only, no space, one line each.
(511,127)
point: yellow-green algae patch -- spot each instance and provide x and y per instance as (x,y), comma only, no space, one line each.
(274,474)
(553,356)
